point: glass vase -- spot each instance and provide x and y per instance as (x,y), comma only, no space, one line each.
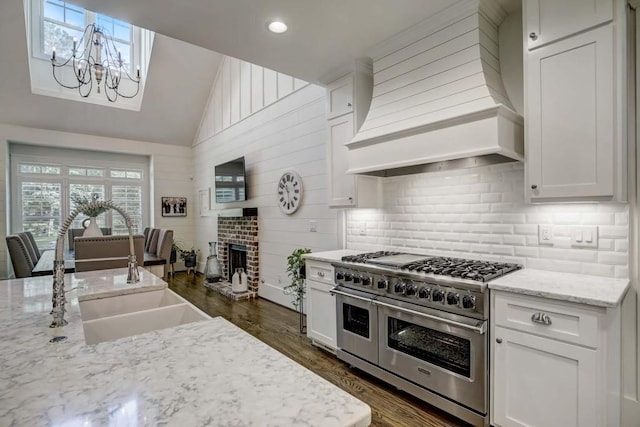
(213,269)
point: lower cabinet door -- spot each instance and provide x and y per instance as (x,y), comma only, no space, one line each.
(543,382)
(321,314)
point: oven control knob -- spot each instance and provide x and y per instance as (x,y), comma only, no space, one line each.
(400,287)
(453,298)
(339,276)
(437,295)
(469,301)
(366,281)
(424,292)
(357,279)
(411,290)
(383,283)
(348,277)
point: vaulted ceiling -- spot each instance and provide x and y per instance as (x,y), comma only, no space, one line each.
(324,37)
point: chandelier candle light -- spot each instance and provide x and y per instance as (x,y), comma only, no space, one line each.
(89,64)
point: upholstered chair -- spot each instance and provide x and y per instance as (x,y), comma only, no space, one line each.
(104,252)
(20,257)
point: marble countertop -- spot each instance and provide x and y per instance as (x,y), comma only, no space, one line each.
(330,256)
(203,373)
(579,288)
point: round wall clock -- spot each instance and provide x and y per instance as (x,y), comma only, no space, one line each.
(289,192)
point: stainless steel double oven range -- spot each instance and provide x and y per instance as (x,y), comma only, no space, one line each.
(419,323)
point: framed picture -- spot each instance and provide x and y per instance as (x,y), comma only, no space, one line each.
(204,198)
(174,206)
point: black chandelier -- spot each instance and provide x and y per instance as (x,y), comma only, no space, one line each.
(89,65)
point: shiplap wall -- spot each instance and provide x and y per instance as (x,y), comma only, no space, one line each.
(240,90)
(169,166)
(289,134)
(480,213)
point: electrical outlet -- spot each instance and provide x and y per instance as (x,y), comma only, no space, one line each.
(545,234)
(313,226)
(362,230)
(584,236)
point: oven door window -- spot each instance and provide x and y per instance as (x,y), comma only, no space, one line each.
(356,320)
(448,351)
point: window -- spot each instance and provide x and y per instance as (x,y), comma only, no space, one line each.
(60,22)
(42,191)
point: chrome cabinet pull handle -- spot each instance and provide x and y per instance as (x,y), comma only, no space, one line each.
(499,340)
(533,36)
(320,274)
(541,318)
(534,187)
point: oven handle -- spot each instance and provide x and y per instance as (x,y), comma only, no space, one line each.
(477,329)
(348,295)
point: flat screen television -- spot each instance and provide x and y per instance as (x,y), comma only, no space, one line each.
(231,185)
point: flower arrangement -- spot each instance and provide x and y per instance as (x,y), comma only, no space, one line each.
(93,211)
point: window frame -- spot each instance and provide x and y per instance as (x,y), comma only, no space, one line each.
(65,180)
(37,34)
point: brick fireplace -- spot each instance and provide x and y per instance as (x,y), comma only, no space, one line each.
(243,231)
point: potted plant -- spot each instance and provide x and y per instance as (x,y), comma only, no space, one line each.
(190,257)
(297,272)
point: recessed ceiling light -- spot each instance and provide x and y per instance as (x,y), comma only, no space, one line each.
(277,27)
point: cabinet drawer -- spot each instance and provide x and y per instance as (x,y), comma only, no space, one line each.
(320,271)
(566,321)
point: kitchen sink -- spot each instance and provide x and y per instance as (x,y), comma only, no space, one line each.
(111,306)
(139,322)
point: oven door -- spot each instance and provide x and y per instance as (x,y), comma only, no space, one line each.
(443,352)
(357,323)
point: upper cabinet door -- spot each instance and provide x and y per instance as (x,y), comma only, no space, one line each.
(340,97)
(549,20)
(570,126)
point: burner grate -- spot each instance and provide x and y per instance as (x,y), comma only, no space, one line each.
(369,255)
(481,271)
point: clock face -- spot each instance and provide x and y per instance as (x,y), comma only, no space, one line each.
(289,192)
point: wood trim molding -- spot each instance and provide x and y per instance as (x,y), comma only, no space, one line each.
(634,3)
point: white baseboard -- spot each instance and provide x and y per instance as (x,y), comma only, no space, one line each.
(274,294)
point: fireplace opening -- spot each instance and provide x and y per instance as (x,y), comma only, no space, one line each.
(237,258)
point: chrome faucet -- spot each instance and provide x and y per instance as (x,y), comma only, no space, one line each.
(58,300)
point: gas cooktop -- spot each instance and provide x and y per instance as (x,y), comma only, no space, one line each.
(451,284)
(481,271)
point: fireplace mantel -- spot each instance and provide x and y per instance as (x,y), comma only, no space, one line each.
(238,212)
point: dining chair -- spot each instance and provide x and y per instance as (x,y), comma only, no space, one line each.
(20,258)
(104,252)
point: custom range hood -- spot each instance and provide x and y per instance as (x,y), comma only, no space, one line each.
(438,98)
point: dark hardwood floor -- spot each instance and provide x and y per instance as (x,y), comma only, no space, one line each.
(277,326)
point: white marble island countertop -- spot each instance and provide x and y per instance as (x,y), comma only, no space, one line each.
(203,373)
(578,288)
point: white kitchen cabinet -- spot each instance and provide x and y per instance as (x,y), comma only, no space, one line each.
(340,97)
(550,20)
(347,190)
(574,141)
(348,102)
(321,305)
(559,371)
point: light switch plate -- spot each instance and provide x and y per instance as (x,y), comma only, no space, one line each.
(584,236)
(313,226)
(545,234)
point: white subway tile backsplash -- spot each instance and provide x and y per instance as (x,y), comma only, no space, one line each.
(613,258)
(480,213)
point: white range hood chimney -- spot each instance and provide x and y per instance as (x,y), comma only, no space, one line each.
(438,96)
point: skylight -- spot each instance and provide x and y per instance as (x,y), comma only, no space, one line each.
(58,25)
